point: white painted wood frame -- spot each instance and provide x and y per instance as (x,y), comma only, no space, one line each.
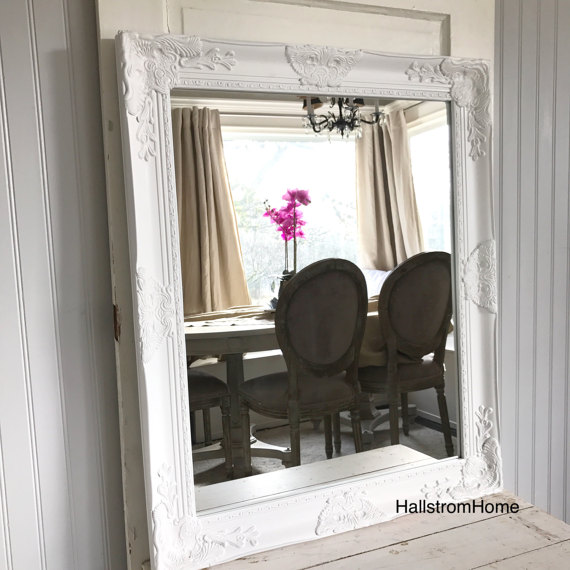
(149,68)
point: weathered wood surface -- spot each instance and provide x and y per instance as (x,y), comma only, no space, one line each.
(528,539)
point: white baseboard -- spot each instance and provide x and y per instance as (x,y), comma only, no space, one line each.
(433,418)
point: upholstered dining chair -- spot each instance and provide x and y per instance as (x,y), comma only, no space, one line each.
(206,391)
(414,308)
(319,323)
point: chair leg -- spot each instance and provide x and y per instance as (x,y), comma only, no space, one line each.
(227,441)
(295,434)
(246,440)
(405,419)
(356,429)
(336,431)
(328,437)
(442,403)
(193,427)
(394,430)
(207,426)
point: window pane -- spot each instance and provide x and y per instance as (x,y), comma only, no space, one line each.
(432,182)
(263,169)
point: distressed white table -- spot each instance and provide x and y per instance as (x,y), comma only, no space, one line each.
(232,341)
(529,539)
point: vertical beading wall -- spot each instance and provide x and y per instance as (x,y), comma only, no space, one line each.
(532,135)
(60,478)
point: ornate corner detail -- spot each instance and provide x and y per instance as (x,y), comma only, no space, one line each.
(347,511)
(152,64)
(480,474)
(321,66)
(181,542)
(156,313)
(480,276)
(469,83)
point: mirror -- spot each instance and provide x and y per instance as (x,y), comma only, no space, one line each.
(153,71)
(267,148)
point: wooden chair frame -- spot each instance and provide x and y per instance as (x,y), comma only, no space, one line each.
(397,344)
(297,363)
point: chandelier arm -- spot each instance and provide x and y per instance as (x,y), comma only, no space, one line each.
(349,117)
(318,122)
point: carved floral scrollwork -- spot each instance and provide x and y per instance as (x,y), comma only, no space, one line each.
(156,313)
(480,276)
(347,511)
(181,542)
(321,66)
(481,472)
(469,81)
(152,64)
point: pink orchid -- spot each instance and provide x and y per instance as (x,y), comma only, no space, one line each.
(288,219)
(301,196)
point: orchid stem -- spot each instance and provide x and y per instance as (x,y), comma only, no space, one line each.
(294,254)
(295,237)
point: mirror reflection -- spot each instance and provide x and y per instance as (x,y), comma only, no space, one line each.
(261,197)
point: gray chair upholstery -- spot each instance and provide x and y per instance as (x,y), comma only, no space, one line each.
(319,323)
(206,391)
(415,309)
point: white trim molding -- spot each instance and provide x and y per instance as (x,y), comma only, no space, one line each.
(150,68)
(469,88)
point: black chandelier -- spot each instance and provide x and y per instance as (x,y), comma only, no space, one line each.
(347,120)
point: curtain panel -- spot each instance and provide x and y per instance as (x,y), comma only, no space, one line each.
(213,276)
(389,226)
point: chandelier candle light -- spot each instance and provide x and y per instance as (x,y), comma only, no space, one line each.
(347,120)
(289,221)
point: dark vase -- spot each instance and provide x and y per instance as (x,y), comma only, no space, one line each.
(284,279)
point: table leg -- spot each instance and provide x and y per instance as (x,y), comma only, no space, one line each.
(234,369)
(235,377)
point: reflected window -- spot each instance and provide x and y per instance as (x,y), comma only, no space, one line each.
(262,168)
(429,148)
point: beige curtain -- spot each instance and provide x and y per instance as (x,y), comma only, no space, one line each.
(212,269)
(389,227)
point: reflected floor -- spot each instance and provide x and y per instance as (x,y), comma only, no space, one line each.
(421,438)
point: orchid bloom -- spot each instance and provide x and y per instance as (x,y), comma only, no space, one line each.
(301,196)
(289,218)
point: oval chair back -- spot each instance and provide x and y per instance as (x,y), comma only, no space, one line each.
(415,305)
(320,317)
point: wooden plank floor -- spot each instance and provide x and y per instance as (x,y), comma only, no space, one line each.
(529,539)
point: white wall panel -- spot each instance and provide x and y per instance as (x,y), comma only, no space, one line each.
(60,486)
(532,186)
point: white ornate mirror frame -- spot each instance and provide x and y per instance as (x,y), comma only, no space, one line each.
(149,68)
